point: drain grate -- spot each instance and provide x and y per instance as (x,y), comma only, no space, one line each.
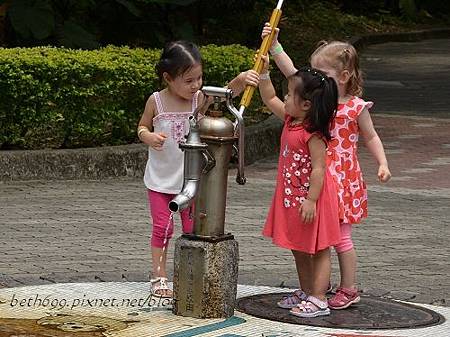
(370,313)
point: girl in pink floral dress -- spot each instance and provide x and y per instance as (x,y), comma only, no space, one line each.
(304,213)
(339,60)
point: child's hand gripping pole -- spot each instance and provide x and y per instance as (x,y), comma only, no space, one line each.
(263,50)
(249,90)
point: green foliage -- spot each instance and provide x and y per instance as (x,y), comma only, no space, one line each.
(89,24)
(62,98)
(61,23)
(408,8)
(221,61)
(362,6)
(171,2)
(321,20)
(32,19)
(66,98)
(221,64)
(435,7)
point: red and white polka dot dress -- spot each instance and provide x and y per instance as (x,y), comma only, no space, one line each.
(343,161)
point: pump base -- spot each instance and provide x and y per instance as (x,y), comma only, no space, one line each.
(205,278)
(213,239)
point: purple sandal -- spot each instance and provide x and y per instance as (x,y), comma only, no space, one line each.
(292,300)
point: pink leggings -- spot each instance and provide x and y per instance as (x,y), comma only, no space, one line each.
(159,211)
(346,243)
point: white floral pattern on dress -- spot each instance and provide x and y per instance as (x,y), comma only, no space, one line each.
(296,172)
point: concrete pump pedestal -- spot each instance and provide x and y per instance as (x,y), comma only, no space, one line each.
(205,276)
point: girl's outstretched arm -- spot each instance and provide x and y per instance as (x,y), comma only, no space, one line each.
(281,58)
(374,144)
(238,84)
(317,150)
(268,93)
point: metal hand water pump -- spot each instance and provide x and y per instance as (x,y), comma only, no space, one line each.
(208,150)
(206,261)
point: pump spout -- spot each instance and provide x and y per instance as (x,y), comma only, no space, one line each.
(185,198)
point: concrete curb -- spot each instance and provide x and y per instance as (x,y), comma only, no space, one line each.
(261,140)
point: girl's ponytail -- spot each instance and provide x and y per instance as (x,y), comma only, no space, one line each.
(322,92)
(324,106)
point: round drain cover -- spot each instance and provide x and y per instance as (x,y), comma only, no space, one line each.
(370,313)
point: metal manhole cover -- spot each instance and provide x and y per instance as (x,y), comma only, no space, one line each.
(370,313)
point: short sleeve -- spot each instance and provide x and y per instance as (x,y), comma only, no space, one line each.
(361,105)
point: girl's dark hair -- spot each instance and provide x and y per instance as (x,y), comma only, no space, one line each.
(177,58)
(321,91)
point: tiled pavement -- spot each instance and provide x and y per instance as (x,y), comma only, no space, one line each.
(125,310)
(86,231)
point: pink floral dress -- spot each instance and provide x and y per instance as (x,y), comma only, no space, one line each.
(343,161)
(284,224)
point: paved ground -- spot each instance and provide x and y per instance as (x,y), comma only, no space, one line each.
(78,231)
(125,309)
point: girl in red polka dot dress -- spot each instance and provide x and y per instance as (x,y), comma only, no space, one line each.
(339,60)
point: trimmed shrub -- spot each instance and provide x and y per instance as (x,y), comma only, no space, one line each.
(62,98)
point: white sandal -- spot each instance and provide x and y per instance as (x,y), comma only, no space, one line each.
(160,288)
(312,307)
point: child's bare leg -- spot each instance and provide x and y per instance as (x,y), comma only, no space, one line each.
(303,263)
(159,258)
(318,276)
(321,273)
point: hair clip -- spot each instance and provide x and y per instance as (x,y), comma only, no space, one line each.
(314,73)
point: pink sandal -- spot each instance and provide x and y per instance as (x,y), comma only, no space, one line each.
(292,300)
(344,298)
(312,307)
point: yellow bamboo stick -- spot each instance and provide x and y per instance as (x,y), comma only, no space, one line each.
(263,50)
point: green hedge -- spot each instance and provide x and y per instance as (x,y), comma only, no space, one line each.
(61,98)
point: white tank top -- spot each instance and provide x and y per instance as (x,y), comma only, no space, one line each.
(164,169)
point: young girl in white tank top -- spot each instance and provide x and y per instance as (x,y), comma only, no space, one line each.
(163,125)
